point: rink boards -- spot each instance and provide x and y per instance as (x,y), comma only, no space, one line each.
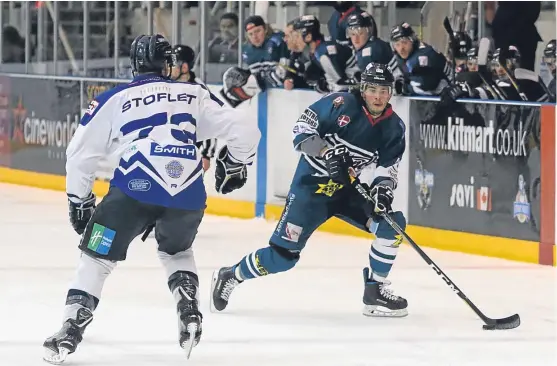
(477,177)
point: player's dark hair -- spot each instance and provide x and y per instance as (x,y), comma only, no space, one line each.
(231,16)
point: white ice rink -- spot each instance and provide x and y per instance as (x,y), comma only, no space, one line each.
(308,316)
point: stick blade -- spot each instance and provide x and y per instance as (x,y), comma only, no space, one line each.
(510,322)
(483,51)
(448,27)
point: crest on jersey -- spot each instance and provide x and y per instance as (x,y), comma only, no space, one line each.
(174,169)
(343,120)
(338,101)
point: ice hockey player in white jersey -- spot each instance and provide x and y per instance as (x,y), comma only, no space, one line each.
(153,124)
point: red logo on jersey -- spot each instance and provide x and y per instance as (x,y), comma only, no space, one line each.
(343,120)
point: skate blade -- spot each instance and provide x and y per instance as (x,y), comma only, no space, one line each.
(188,345)
(381,312)
(56,358)
(213,285)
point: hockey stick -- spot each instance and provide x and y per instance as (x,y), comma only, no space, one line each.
(452,41)
(525,74)
(485,73)
(510,322)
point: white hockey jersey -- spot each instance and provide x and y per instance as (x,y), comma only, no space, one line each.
(152,124)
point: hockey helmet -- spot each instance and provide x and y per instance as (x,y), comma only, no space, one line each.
(376,74)
(550,49)
(403,30)
(150,54)
(463,43)
(512,57)
(183,54)
(549,54)
(360,21)
(308,24)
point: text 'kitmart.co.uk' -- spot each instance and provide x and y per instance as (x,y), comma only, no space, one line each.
(456,136)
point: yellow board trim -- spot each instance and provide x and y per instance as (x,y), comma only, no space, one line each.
(513,249)
(491,246)
(215,205)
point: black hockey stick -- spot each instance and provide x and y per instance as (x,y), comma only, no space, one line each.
(452,41)
(510,322)
(484,72)
(524,74)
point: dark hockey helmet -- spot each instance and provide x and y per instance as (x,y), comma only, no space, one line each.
(359,21)
(549,55)
(403,30)
(150,54)
(308,24)
(550,48)
(512,56)
(183,54)
(463,43)
(376,74)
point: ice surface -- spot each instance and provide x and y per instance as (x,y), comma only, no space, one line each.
(308,316)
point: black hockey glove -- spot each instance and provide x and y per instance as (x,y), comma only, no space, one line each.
(229,175)
(81,212)
(338,162)
(382,196)
(451,93)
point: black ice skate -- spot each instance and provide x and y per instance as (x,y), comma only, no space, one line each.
(380,301)
(223,283)
(189,316)
(65,342)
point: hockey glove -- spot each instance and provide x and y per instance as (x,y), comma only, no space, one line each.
(81,212)
(229,175)
(338,163)
(451,93)
(382,196)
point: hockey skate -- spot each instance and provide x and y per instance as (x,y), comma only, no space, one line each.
(379,301)
(222,286)
(189,317)
(65,342)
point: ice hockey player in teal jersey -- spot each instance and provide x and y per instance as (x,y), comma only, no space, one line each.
(341,135)
(369,48)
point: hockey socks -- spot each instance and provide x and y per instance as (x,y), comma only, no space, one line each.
(264,261)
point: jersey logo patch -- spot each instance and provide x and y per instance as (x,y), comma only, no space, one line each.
(366,52)
(422,60)
(309,117)
(332,50)
(101,239)
(343,120)
(329,188)
(92,106)
(174,169)
(338,101)
(292,232)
